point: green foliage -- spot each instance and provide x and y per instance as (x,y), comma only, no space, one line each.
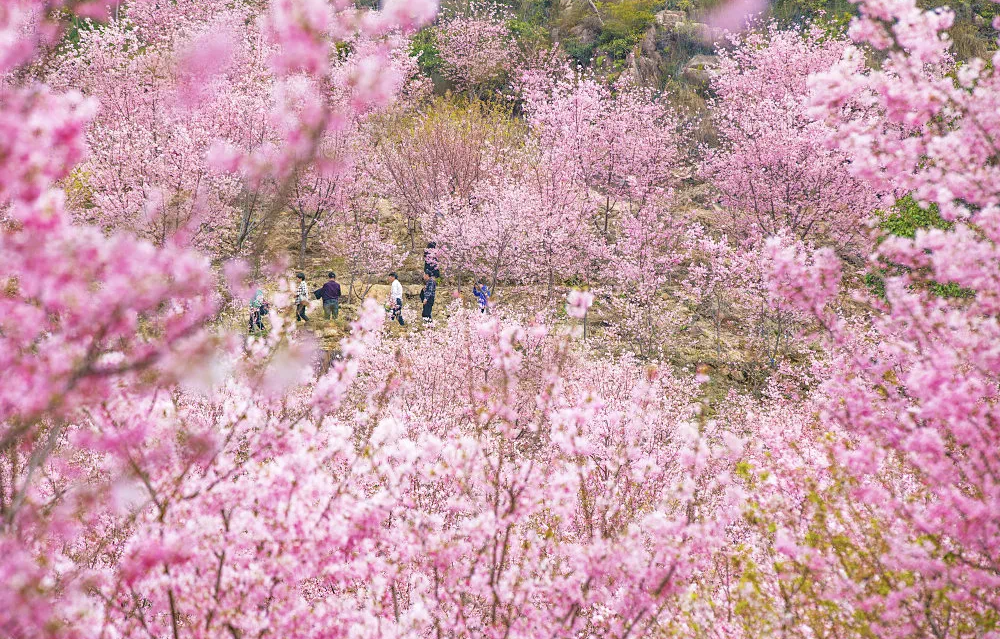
(830,14)
(609,30)
(76,27)
(424,45)
(875,283)
(581,52)
(534,12)
(682,5)
(907,216)
(625,22)
(904,220)
(972,34)
(529,35)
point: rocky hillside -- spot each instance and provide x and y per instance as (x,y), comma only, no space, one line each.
(666,44)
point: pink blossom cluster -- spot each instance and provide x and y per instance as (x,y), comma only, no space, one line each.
(910,400)
(773,170)
(104,334)
(618,147)
(478,50)
(202,124)
(42,136)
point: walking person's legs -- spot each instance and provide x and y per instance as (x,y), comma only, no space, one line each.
(336,308)
(256,321)
(428,308)
(327,309)
(399,312)
(300,312)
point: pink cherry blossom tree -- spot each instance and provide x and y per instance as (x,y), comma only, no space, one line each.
(772,169)
(621,140)
(333,183)
(441,152)
(721,276)
(122,194)
(486,235)
(642,261)
(478,50)
(555,215)
(323,190)
(494,476)
(361,232)
(910,400)
(619,149)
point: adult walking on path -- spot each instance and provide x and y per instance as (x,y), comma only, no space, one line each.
(301,298)
(430,260)
(427,296)
(396,300)
(331,296)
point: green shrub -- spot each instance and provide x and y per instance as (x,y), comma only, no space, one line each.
(618,26)
(907,216)
(579,52)
(529,35)
(533,12)
(625,22)
(904,220)
(972,34)
(424,45)
(682,5)
(831,14)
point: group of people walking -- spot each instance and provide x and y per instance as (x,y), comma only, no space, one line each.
(427,294)
(330,293)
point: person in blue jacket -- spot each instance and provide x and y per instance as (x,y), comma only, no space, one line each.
(482,293)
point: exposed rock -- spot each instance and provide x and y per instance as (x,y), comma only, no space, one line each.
(698,31)
(647,46)
(669,19)
(701,69)
(380,292)
(584,34)
(646,63)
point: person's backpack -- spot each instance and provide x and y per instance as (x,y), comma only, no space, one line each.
(318,293)
(263,308)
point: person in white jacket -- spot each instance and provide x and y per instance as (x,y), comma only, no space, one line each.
(396,299)
(301,298)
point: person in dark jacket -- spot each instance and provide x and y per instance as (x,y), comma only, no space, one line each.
(430,261)
(331,296)
(427,296)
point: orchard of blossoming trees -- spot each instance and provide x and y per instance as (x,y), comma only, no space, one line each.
(563,465)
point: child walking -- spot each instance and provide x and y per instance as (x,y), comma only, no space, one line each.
(396,300)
